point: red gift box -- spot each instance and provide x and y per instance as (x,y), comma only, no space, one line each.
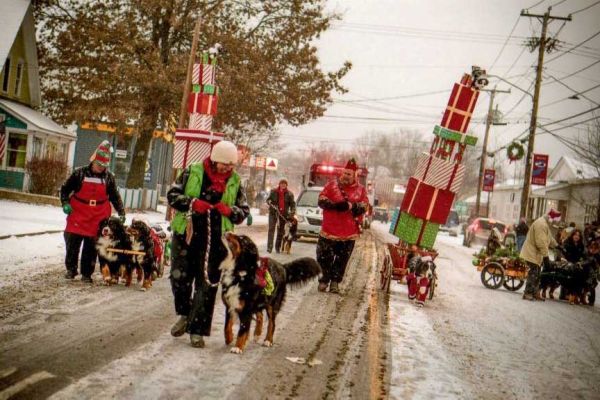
(460,108)
(202,103)
(439,173)
(427,202)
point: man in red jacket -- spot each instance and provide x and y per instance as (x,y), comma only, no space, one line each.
(344,201)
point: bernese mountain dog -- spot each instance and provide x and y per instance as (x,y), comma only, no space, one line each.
(242,288)
(289,235)
(144,265)
(112,235)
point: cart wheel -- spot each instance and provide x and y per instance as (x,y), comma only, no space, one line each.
(386,274)
(432,285)
(492,275)
(513,284)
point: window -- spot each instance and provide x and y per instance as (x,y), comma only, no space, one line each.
(52,149)
(591,212)
(37,147)
(17,150)
(5,78)
(19,80)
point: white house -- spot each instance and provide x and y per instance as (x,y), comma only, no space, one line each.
(572,188)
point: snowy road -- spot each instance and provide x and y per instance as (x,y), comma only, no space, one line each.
(68,340)
(473,342)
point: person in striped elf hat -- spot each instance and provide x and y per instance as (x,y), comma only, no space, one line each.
(86,197)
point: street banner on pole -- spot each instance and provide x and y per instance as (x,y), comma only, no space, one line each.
(489,175)
(540,169)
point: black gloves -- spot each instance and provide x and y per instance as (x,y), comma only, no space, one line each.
(358,209)
(546,262)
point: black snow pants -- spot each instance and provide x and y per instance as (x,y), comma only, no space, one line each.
(88,254)
(279,221)
(193,296)
(333,255)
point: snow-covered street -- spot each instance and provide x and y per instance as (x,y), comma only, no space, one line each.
(68,340)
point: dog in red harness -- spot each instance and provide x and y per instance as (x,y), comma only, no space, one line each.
(421,270)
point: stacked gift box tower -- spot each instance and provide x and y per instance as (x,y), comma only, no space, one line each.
(431,190)
(195,143)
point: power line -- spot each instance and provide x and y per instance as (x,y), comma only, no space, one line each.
(579,70)
(555,4)
(570,97)
(585,8)
(573,48)
(505,42)
(573,116)
(536,4)
(395,97)
(571,89)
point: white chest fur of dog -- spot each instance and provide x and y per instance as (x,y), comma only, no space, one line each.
(103,244)
(137,246)
(231,293)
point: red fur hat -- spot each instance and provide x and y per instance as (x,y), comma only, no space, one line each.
(351,164)
(554,215)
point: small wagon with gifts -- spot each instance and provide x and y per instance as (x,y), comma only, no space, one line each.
(399,262)
(430,193)
(502,270)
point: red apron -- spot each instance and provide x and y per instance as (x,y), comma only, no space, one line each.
(90,206)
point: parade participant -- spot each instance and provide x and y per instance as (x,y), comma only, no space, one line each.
(343,201)
(85,198)
(521,231)
(282,207)
(209,200)
(573,246)
(535,252)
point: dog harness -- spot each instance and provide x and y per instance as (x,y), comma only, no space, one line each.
(264,278)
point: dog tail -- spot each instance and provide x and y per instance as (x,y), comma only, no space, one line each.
(301,270)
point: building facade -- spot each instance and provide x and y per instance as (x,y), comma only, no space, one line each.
(24,132)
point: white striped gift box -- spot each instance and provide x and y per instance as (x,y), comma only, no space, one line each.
(203,74)
(439,173)
(201,122)
(193,146)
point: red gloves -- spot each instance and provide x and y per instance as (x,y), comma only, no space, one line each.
(201,206)
(223,208)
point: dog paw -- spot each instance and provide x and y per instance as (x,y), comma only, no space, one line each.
(267,343)
(142,289)
(236,350)
(256,339)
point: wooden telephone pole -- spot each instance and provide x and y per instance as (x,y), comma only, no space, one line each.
(488,123)
(546,18)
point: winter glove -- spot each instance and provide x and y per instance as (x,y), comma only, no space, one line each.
(122,218)
(223,208)
(358,209)
(200,206)
(546,262)
(67,209)
(341,206)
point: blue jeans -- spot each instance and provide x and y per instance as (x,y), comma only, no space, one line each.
(520,241)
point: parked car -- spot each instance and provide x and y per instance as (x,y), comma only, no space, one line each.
(310,217)
(452,225)
(381,214)
(479,231)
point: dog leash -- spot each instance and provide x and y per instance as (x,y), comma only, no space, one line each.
(189,232)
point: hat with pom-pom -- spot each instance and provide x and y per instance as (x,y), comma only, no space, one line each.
(554,215)
(101,155)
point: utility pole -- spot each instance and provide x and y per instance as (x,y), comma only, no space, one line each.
(186,92)
(488,123)
(546,18)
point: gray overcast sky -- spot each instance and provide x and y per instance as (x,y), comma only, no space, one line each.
(407,47)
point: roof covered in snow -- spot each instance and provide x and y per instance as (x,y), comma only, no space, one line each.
(569,169)
(11,16)
(35,120)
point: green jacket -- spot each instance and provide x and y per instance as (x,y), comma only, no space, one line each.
(192,190)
